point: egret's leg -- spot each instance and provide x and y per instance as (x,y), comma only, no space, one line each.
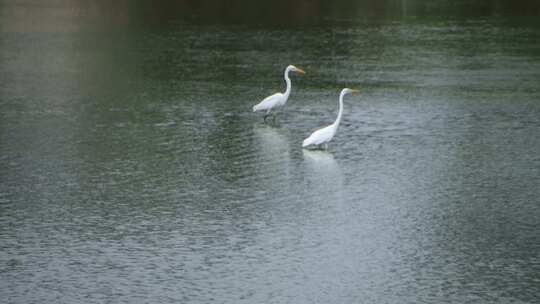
(266,115)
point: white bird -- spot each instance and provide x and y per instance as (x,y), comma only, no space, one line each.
(278,99)
(325,135)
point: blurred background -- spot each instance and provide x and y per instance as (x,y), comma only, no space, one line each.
(132,169)
(73,14)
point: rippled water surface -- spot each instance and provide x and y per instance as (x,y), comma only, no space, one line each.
(132,169)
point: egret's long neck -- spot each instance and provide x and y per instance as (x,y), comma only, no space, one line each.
(340,112)
(288,81)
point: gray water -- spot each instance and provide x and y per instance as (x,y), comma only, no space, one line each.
(132,169)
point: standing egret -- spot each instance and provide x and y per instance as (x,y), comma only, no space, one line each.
(325,135)
(278,99)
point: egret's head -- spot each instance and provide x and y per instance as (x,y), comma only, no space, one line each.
(350,91)
(295,69)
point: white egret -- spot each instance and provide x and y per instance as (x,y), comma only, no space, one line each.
(325,135)
(278,99)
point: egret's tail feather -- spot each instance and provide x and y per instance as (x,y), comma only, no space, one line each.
(306,142)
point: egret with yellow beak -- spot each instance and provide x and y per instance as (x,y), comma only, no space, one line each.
(324,135)
(279,99)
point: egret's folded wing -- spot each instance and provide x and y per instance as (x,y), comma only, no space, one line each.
(318,137)
(268,103)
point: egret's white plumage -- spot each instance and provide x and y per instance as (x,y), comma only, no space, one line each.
(324,135)
(278,99)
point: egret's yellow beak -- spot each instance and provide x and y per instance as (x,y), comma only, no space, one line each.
(355,92)
(300,71)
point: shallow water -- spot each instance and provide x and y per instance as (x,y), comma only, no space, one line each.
(133,170)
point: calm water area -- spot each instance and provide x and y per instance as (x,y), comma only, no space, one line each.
(132,169)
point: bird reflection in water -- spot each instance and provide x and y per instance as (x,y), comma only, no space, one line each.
(270,138)
(324,190)
(322,167)
(272,150)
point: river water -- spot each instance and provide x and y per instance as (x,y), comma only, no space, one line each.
(132,169)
